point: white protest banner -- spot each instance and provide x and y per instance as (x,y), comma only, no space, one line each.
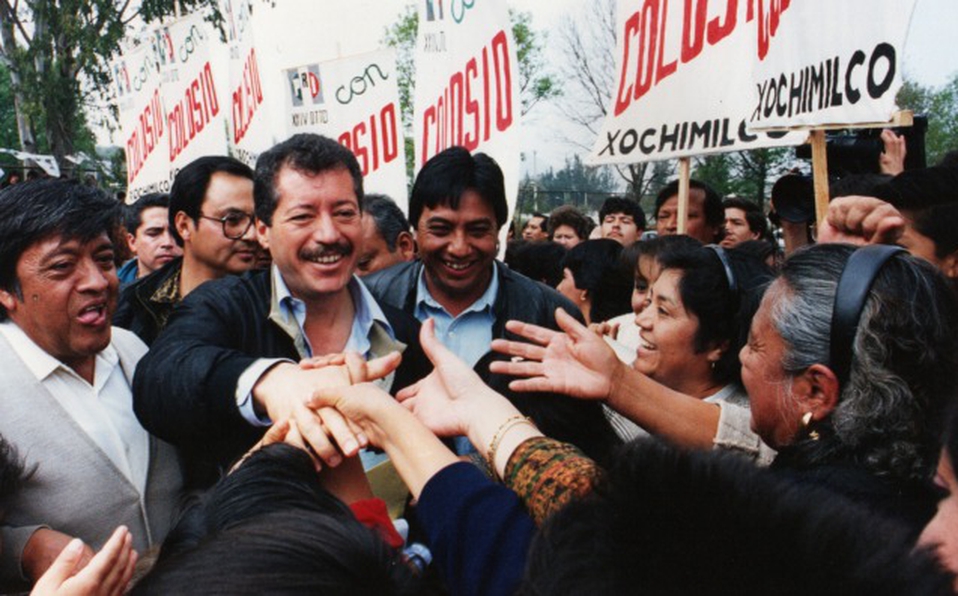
(249,129)
(467,84)
(683,84)
(830,62)
(354,100)
(194,110)
(136,86)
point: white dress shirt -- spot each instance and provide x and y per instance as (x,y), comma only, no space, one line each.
(104,410)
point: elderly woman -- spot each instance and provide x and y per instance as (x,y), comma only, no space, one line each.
(653,527)
(872,437)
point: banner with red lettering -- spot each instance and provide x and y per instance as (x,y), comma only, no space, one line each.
(136,86)
(683,84)
(249,128)
(354,100)
(194,109)
(825,62)
(467,83)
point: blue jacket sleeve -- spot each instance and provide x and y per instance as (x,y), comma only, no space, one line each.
(478,531)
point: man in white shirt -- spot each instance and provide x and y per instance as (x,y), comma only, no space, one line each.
(65,397)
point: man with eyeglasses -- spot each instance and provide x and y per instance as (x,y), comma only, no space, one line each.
(211,218)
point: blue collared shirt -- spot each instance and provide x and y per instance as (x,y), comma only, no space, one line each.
(467,335)
(367,311)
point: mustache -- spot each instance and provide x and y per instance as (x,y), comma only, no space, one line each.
(324,250)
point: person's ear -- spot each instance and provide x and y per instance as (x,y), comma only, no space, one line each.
(8,300)
(816,391)
(262,233)
(715,353)
(131,242)
(949,266)
(184,225)
(406,245)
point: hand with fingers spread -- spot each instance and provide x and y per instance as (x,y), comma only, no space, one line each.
(605,328)
(448,398)
(106,574)
(284,391)
(892,159)
(861,220)
(577,363)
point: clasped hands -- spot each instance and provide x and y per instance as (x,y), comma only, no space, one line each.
(343,411)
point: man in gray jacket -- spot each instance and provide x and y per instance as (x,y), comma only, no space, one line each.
(65,397)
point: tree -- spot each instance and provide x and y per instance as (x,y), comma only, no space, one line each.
(940,105)
(536,83)
(52,48)
(748,174)
(588,44)
(575,184)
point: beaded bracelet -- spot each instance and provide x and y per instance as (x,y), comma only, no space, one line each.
(505,427)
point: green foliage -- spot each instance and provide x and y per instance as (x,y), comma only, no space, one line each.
(53,46)
(575,184)
(402,37)
(536,83)
(940,105)
(748,174)
(8,118)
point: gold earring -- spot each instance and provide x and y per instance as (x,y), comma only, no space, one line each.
(806,422)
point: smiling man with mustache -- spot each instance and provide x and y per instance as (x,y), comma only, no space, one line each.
(226,365)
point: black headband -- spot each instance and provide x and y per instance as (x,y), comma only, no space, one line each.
(723,256)
(854,286)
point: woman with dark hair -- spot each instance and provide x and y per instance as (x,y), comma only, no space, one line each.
(594,280)
(690,331)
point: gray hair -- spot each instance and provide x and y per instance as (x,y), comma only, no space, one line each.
(903,373)
(389,218)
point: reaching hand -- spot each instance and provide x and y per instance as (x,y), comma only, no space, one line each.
(107,573)
(577,363)
(445,400)
(892,159)
(861,220)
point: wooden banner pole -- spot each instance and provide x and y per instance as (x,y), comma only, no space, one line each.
(819,173)
(684,174)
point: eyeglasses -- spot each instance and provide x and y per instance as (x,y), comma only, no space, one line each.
(235,224)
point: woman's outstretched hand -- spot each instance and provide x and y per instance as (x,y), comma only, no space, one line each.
(577,362)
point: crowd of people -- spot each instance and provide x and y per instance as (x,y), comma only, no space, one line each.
(269,381)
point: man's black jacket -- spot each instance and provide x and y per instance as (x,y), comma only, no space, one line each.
(519,298)
(184,390)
